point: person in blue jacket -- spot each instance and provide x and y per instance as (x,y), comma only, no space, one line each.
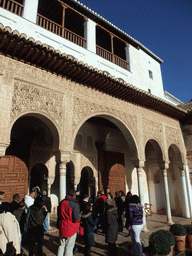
(89,221)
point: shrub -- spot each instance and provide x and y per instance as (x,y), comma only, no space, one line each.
(160,242)
(178,230)
(188,229)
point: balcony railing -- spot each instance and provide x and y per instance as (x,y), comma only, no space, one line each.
(60,30)
(112,57)
(12,6)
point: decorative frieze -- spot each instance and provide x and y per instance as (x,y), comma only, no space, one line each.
(83,108)
(27,97)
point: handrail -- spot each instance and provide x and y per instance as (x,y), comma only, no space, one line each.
(112,57)
(12,6)
(60,30)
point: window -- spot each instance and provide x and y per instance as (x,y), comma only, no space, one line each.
(150,74)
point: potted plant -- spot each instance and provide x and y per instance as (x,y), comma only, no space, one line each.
(189,236)
(179,232)
(160,243)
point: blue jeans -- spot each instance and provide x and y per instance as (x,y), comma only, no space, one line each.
(135,233)
(46,223)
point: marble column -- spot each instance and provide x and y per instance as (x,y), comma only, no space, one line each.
(186,203)
(168,206)
(65,158)
(62,185)
(141,195)
(30,10)
(188,188)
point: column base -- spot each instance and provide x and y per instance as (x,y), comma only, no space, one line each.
(145,230)
(169,221)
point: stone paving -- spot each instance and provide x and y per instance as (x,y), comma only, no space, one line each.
(154,222)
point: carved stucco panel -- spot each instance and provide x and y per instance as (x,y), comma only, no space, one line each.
(83,108)
(27,97)
(39,156)
(152,130)
(173,136)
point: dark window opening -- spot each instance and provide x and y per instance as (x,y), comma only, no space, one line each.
(119,48)
(150,74)
(74,22)
(103,39)
(52,10)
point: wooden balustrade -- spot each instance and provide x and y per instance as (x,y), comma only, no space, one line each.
(12,6)
(111,57)
(60,30)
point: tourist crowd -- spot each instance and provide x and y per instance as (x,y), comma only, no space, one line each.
(76,214)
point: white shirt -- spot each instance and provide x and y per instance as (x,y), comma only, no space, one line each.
(28,201)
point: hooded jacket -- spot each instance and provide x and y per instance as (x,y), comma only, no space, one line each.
(68,217)
(89,221)
(135,214)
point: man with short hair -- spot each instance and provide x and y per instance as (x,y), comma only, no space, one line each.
(68,224)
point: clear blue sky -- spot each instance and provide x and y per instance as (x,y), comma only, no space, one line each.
(164,27)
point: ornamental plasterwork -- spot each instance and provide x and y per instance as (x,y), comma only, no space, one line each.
(88,160)
(80,89)
(83,108)
(173,136)
(152,130)
(39,156)
(27,97)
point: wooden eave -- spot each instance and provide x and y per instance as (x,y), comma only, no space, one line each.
(20,47)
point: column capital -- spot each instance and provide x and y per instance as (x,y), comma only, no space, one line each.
(64,157)
(181,166)
(3,148)
(138,163)
(164,165)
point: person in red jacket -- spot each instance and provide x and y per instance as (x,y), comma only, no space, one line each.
(69,218)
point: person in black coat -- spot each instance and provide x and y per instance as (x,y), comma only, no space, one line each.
(89,221)
(120,208)
(47,203)
(111,226)
(34,225)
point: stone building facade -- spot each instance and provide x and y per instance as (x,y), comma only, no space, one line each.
(65,123)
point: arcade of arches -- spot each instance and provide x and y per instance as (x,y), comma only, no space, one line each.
(58,134)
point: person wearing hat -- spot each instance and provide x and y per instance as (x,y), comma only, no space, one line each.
(111,227)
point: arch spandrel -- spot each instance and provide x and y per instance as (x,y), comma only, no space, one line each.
(174,137)
(123,126)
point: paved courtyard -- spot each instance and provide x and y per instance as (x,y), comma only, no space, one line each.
(154,222)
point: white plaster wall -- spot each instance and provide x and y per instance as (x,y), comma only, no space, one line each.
(140,61)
